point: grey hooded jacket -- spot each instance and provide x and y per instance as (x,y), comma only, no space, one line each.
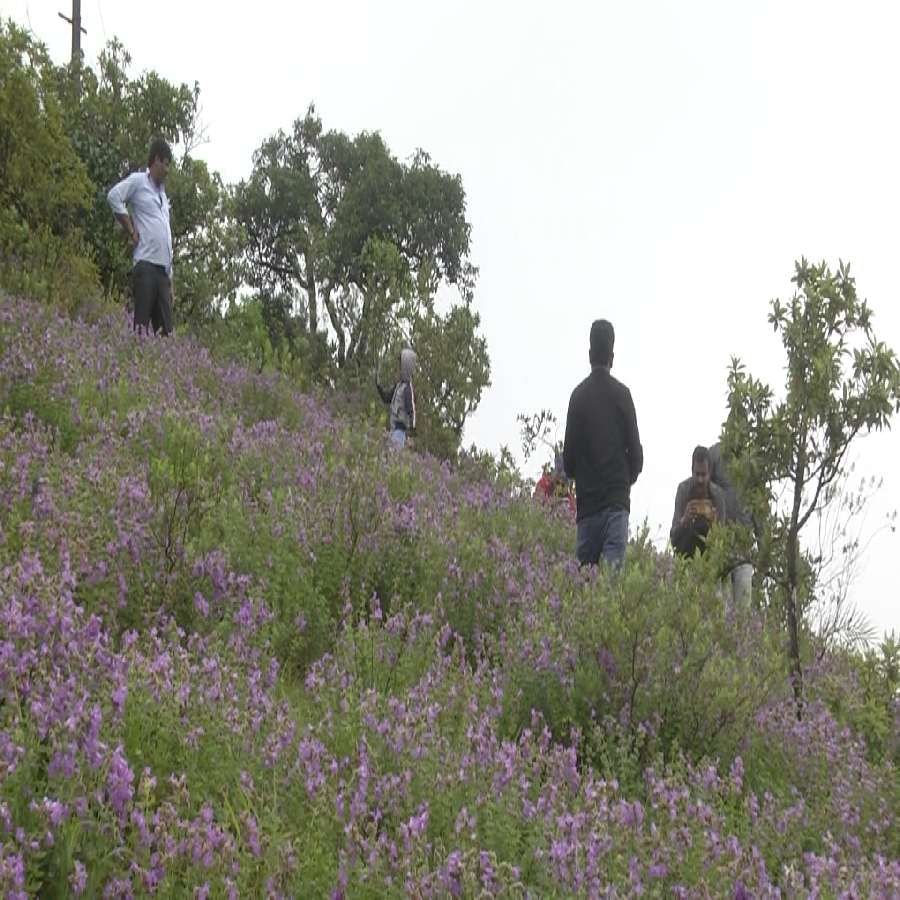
(735,511)
(401,396)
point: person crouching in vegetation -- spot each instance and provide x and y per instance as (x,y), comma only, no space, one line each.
(402,399)
(699,504)
(553,484)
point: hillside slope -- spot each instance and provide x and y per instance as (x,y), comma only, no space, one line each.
(248,650)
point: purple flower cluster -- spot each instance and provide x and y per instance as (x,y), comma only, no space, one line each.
(245,650)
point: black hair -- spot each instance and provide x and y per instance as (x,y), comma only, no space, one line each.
(603,339)
(159,149)
(701,455)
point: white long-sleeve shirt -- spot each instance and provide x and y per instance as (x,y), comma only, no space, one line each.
(149,208)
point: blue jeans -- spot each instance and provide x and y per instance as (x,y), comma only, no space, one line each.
(398,438)
(603,535)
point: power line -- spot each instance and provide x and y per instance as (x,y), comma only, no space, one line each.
(102,22)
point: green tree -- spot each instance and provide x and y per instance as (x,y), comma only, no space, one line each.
(454,369)
(539,428)
(349,246)
(206,242)
(44,188)
(111,120)
(788,454)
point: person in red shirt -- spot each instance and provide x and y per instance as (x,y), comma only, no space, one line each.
(553,484)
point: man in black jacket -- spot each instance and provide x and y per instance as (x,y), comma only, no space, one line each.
(603,453)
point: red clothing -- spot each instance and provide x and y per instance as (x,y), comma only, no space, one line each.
(551,488)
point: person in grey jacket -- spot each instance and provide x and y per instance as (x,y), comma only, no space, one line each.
(699,504)
(741,575)
(402,399)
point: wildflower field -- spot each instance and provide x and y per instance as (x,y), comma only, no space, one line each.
(246,650)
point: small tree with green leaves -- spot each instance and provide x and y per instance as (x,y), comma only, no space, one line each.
(538,428)
(789,454)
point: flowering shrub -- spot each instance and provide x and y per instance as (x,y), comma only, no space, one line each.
(248,650)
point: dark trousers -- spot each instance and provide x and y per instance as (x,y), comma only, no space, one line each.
(603,535)
(152,291)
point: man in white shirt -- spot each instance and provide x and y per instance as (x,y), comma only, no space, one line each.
(142,208)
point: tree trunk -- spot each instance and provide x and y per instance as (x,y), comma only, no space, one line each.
(792,598)
(312,294)
(359,334)
(339,333)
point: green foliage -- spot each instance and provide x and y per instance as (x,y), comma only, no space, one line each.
(35,397)
(44,188)
(500,469)
(343,240)
(111,118)
(187,476)
(206,242)
(344,246)
(454,369)
(293,644)
(658,662)
(861,688)
(538,428)
(841,382)
(64,144)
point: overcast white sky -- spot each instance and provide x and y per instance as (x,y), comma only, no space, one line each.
(658,164)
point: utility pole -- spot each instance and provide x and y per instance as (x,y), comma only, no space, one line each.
(77,31)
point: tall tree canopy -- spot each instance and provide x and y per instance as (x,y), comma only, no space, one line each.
(347,242)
